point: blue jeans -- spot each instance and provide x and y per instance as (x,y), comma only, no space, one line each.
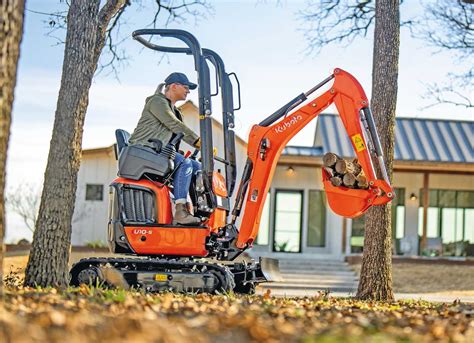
(182,176)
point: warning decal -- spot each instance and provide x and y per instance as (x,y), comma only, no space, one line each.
(358,142)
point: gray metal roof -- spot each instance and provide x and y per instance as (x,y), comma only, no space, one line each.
(415,139)
(302,151)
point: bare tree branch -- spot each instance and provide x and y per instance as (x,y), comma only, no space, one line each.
(113,58)
(449,25)
(25,201)
(339,21)
(446,95)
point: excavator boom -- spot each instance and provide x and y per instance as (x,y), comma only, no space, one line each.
(267,140)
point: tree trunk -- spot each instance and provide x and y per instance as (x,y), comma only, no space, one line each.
(11,31)
(86,31)
(376,271)
(47,265)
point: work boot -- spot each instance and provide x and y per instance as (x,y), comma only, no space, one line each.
(183,217)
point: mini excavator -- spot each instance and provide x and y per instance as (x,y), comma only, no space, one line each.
(202,258)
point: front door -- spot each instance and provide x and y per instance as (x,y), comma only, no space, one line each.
(288,220)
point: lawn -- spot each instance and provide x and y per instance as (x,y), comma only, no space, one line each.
(431,278)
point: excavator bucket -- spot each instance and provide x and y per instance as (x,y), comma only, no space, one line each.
(347,202)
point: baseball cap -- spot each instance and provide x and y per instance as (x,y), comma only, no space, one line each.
(179,78)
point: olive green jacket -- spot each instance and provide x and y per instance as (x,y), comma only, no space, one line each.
(159,121)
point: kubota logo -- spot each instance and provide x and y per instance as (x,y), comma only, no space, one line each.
(286,125)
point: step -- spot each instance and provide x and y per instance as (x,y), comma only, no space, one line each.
(316,280)
(321,273)
(312,263)
(289,288)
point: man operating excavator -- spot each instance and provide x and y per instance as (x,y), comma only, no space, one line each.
(161,120)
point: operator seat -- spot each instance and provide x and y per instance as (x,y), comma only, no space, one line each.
(134,161)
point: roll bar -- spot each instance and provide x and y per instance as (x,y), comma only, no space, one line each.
(226,93)
(204,93)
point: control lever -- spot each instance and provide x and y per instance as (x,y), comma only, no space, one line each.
(176,139)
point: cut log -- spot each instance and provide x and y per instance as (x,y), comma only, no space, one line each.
(336,181)
(349,180)
(330,171)
(362,181)
(357,166)
(330,159)
(343,167)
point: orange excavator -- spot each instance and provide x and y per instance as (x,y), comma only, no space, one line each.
(202,258)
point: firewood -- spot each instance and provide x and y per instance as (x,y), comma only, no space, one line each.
(349,180)
(336,181)
(343,167)
(330,159)
(330,171)
(362,181)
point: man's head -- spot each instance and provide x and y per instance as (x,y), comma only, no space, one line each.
(178,86)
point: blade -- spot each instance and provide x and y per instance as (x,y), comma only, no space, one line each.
(270,269)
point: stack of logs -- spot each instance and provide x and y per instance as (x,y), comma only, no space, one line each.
(345,173)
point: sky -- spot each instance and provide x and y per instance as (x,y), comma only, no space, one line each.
(262,41)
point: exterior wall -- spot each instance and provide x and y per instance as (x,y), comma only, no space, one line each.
(89,223)
(308,178)
(304,178)
(413,183)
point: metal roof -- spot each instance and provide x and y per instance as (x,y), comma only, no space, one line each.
(416,139)
(302,151)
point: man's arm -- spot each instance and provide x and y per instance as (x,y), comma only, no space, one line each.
(161,110)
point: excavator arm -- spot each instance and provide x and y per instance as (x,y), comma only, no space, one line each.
(267,140)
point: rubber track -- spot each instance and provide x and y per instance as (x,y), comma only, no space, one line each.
(129,265)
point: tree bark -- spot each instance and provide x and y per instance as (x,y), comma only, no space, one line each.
(11,32)
(376,271)
(48,262)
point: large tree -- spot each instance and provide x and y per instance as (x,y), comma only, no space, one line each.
(89,29)
(11,32)
(376,272)
(339,21)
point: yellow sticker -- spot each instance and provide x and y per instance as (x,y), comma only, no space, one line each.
(358,142)
(161,277)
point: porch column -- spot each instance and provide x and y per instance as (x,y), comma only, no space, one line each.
(426,199)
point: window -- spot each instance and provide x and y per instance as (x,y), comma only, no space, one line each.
(94,192)
(316,219)
(264,229)
(398,223)
(288,210)
(450,217)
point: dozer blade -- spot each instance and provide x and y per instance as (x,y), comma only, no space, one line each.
(270,268)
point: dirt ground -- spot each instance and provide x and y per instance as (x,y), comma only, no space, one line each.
(407,277)
(435,278)
(87,314)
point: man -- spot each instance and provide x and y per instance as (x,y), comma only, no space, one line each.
(162,120)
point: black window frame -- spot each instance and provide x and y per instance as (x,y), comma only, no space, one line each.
(87,196)
(286,190)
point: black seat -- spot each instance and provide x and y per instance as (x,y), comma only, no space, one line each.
(134,161)
(122,138)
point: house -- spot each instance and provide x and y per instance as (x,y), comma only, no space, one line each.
(433,180)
